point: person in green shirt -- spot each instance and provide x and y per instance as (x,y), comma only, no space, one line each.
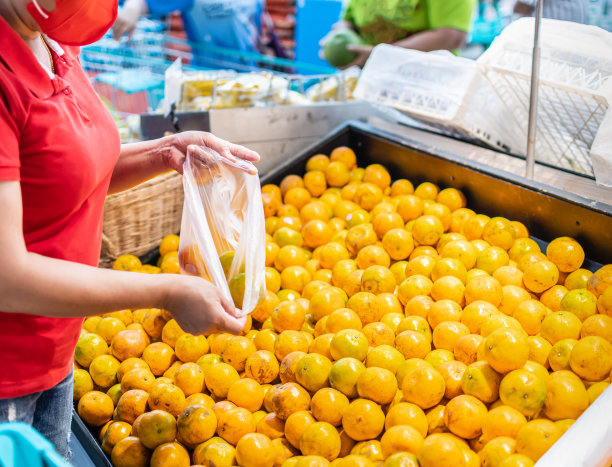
(413,24)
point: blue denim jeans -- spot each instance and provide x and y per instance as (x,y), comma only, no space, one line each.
(49,412)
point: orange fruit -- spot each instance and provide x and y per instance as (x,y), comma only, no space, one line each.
(328,405)
(159,356)
(540,276)
(138,378)
(127,343)
(255,450)
(401,186)
(412,344)
(496,450)
(295,425)
(560,325)
(219,377)
(331,254)
(423,386)
(289,398)
(290,181)
(502,421)
(349,343)
(418,306)
(234,424)
(377,279)
(401,438)
(127,263)
(449,267)
(422,264)
(566,253)
(290,341)
(591,358)
(509,275)
(357,217)
(577,279)
(103,370)
(363,420)
(499,231)
(458,218)
(414,285)
(385,221)
(559,355)
(441,450)
(439,356)
(236,351)
(448,288)
(409,207)
(464,416)
(597,325)
(581,302)
(271,426)
(82,383)
(371,255)
(530,313)
(566,396)
(89,347)
(312,371)
(327,300)
(398,243)
(246,393)
(473,227)
(170,454)
(384,356)
(377,384)
(484,288)
(344,374)
(523,391)
(536,437)
(405,413)
(288,315)
(476,313)
(314,182)
(216,453)
(435,420)
(604,302)
(364,305)
(167,397)
(320,439)
(481,381)
(115,432)
(427,230)
(157,427)
(427,190)
(129,452)
(189,348)
(344,154)
(189,378)
(377,175)
(337,174)
(492,258)
(443,310)
(452,198)
(342,318)
(441,211)
(452,372)
(316,162)
(95,408)
(505,349)
(497,321)
(466,347)
(262,366)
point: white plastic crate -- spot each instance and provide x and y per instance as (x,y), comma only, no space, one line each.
(574,86)
(441,90)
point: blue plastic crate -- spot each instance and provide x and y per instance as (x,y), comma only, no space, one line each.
(21,445)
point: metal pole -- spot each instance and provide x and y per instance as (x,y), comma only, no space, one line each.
(533,97)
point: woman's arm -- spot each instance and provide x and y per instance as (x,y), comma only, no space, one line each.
(436,39)
(141,161)
(34,284)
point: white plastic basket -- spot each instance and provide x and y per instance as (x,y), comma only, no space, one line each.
(574,86)
(441,90)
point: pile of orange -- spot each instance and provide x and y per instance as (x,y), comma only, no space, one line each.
(399,328)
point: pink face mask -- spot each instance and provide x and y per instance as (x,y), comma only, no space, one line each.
(75,22)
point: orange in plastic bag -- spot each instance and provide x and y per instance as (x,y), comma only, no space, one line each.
(222,230)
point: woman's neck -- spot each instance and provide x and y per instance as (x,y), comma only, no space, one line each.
(15,14)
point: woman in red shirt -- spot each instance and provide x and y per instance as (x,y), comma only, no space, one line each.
(60,156)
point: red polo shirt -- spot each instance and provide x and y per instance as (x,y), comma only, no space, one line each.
(60,142)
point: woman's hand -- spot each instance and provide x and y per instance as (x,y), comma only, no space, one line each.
(199,308)
(196,142)
(363,53)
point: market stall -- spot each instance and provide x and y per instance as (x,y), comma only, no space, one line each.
(433,284)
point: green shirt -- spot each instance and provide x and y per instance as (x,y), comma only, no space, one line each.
(387,21)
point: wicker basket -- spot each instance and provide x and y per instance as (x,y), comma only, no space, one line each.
(136,220)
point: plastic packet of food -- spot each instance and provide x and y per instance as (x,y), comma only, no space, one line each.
(222,229)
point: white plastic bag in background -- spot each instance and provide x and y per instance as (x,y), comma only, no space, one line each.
(223,214)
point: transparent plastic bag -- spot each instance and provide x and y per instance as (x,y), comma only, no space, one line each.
(222,230)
